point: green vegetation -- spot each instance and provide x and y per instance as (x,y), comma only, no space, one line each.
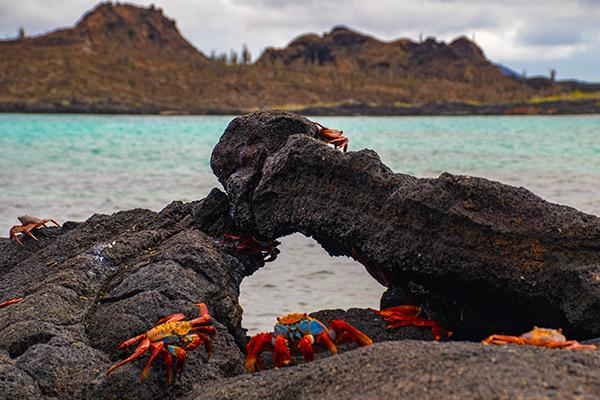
(572,96)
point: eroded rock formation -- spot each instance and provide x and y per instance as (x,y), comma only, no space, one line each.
(481,255)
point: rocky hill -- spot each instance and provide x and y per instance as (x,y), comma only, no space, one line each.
(123,58)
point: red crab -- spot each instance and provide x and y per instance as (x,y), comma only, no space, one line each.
(28,224)
(410,315)
(302,334)
(172,337)
(246,243)
(11,301)
(542,337)
(333,136)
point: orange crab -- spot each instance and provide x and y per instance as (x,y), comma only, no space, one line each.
(333,136)
(406,315)
(172,337)
(300,333)
(28,224)
(11,301)
(542,337)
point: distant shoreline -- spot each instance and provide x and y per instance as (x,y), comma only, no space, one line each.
(561,107)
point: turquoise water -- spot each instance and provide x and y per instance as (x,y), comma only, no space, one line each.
(71,166)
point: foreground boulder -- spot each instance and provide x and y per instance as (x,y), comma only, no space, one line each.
(483,256)
(424,370)
(91,285)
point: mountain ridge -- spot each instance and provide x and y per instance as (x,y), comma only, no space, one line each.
(125,58)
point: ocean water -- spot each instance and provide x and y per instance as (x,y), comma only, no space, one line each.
(69,167)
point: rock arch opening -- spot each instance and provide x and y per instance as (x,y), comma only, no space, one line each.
(304,278)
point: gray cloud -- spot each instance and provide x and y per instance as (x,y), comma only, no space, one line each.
(524,35)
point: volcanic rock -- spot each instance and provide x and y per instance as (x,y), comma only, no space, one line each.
(424,370)
(89,286)
(482,256)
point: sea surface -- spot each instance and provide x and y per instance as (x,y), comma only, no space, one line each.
(69,167)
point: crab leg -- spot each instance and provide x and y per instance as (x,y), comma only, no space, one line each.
(406,315)
(21,229)
(344,332)
(207,345)
(259,343)
(13,233)
(575,345)
(324,339)
(11,301)
(142,348)
(210,330)
(156,350)
(306,348)
(171,318)
(28,233)
(204,316)
(16,238)
(503,339)
(168,359)
(281,352)
(180,358)
(131,341)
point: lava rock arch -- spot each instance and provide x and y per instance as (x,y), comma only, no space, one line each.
(478,254)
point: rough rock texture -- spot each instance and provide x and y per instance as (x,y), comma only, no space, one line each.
(373,325)
(484,256)
(89,286)
(424,370)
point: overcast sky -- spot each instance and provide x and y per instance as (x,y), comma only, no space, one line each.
(524,35)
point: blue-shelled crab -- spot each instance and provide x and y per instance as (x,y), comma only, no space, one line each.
(301,334)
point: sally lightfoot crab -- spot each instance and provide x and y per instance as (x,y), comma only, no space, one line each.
(407,315)
(28,224)
(171,338)
(333,136)
(542,337)
(11,301)
(249,244)
(300,334)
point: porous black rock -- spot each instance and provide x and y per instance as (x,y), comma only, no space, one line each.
(423,370)
(88,286)
(480,255)
(373,325)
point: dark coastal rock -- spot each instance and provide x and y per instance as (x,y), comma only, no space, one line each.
(373,325)
(483,256)
(424,370)
(91,285)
